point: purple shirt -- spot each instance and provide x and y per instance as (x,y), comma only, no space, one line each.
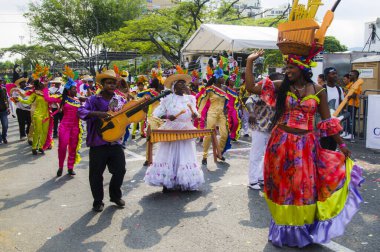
(98,103)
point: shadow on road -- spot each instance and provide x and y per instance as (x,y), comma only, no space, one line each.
(258,211)
(160,211)
(39,193)
(73,238)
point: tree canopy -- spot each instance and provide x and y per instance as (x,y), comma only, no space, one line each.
(333,45)
(72,25)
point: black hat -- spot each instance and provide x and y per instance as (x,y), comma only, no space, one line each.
(329,70)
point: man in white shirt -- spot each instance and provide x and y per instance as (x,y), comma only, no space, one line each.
(335,96)
(56,89)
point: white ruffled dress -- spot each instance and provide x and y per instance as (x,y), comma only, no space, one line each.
(175,163)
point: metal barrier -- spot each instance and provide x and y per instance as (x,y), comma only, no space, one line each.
(362,115)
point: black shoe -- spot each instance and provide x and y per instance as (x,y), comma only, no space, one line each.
(233,140)
(143,136)
(118,202)
(98,207)
(246,135)
(222,158)
(133,137)
(201,140)
(55,136)
(146,163)
(165,189)
(71,172)
(204,161)
(5,140)
(59,172)
(34,152)
(30,142)
(41,151)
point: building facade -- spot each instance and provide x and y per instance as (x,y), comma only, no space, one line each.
(275,12)
(159,4)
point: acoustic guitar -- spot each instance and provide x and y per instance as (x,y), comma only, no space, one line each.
(112,128)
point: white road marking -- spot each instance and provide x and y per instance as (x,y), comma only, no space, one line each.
(336,247)
(134,154)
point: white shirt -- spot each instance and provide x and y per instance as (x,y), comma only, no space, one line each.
(332,93)
(20,105)
(56,91)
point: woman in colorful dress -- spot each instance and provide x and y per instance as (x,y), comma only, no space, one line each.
(70,129)
(311,192)
(41,115)
(175,163)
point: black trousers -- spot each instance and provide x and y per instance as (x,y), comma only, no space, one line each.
(57,119)
(24,119)
(328,143)
(351,123)
(113,157)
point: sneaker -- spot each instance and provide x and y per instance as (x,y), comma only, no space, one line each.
(204,161)
(71,172)
(348,137)
(5,140)
(344,133)
(222,158)
(34,152)
(246,135)
(254,186)
(59,172)
(41,151)
(118,202)
(146,163)
(98,207)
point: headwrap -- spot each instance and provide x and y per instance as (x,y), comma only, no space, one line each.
(70,83)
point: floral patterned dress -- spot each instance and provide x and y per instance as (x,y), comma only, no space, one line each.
(311,192)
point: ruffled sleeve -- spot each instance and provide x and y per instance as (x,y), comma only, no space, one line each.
(329,127)
(268,94)
(162,108)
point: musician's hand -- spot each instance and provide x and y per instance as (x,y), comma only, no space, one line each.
(171,117)
(102,115)
(345,151)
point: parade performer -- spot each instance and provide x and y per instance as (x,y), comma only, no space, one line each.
(70,129)
(41,115)
(233,101)
(243,97)
(216,115)
(312,193)
(175,163)
(260,118)
(56,89)
(103,153)
(22,110)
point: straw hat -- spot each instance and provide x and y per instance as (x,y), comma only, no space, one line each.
(108,74)
(18,81)
(57,80)
(87,78)
(176,77)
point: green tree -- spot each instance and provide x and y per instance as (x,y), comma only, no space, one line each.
(333,45)
(162,31)
(73,24)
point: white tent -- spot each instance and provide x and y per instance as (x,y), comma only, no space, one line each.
(212,38)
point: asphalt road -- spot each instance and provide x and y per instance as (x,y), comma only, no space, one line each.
(39,212)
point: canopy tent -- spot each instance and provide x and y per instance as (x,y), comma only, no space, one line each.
(211,38)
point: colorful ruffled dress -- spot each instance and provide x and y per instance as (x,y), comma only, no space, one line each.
(233,115)
(312,193)
(70,134)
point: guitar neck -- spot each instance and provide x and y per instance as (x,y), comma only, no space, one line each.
(145,104)
(351,91)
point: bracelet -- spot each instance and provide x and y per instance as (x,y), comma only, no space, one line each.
(342,145)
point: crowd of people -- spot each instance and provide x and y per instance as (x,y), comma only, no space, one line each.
(298,157)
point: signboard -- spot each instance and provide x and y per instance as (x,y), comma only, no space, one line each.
(366,73)
(373,122)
